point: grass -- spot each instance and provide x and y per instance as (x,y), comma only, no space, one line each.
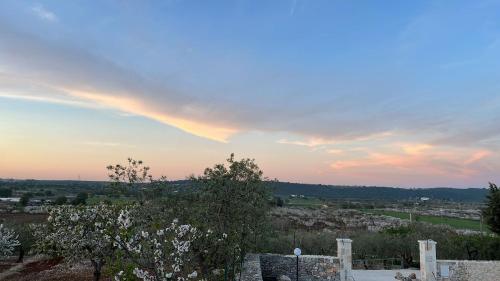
(96,199)
(304,202)
(456,223)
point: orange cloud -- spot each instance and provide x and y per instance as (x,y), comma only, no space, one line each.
(477,156)
(415,149)
(416,159)
(133,106)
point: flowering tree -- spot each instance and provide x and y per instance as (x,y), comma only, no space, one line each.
(8,241)
(136,178)
(157,255)
(120,237)
(79,233)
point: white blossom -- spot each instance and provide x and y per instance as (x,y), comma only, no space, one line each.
(8,241)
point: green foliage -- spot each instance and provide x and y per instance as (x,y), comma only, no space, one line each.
(61,200)
(25,199)
(278,202)
(80,199)
(233,203)
(492,211)
(477,247)
(5,192)
(134,179)
(378,192)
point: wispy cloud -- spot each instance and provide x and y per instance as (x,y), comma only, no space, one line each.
(85,79)
(44,14)
(105,144)
(312,142)
(292,7)
(417,158)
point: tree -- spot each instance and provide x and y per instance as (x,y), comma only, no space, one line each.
(25,199)
(491,213)
(80,199)
(135,178)
(61,200)
(279,201)
(79,233)
(8,241)
(5,192)
(161,254)
(233,203)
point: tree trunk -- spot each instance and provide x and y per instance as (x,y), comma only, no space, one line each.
(97,269)
(21,254)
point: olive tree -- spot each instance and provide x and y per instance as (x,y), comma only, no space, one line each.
(233,202)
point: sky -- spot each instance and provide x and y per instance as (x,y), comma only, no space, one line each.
(393,93)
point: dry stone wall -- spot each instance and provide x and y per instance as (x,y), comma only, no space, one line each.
(453,270)
(311,268)
(270,267)
(251,268)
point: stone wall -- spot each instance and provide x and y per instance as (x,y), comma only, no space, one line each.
(468,270)
(311,268)
(251,268)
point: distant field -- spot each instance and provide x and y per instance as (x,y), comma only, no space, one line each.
(100,198)
(304,202)
(453,222)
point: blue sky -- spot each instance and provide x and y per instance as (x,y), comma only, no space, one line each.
(402,93)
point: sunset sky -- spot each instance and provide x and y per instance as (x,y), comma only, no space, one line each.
(394,93)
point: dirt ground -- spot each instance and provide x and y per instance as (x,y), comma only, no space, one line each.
(22,218)
(43,269)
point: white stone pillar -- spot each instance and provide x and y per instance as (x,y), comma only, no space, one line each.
(344,253)
(428,264)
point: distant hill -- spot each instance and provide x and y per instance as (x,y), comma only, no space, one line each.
(287,188)
(377,192)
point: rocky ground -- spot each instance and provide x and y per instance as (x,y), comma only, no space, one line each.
(328,218)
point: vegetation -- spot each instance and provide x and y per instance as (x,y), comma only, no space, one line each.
(8,241)
(25,198)
(5,192)
(79,233)
(233,202)
(492,211)
(379,193)
(81,199)
(145,239)
(140,227)
(457,223)
(61,200)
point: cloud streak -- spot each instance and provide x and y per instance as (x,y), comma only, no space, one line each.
(43,13)
(328,107)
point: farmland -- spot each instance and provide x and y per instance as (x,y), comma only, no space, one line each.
(457,223)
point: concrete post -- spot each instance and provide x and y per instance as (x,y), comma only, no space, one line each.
(428,264)
(344,253)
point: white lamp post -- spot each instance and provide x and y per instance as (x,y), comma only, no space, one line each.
(297,252)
